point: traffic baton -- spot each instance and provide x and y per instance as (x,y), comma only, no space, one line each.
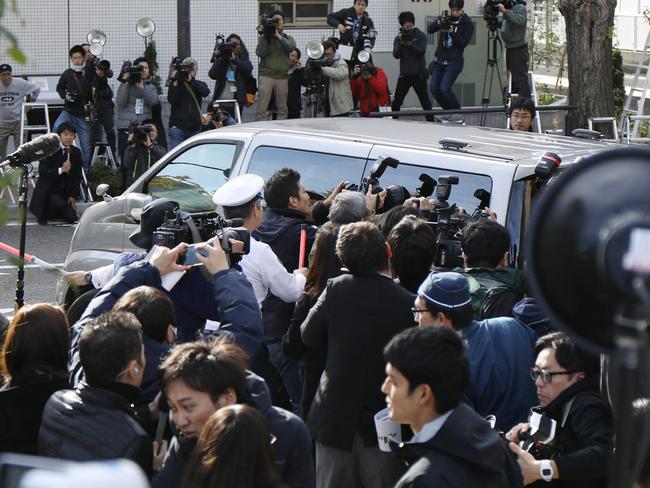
(303,245)
(32,259)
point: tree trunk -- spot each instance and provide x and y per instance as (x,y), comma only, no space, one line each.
(589,30)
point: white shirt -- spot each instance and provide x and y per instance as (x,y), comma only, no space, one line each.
(265,272)
(430,429)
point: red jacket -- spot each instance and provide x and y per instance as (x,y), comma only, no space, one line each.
(372,93)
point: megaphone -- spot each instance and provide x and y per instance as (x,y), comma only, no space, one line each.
(145,27)
(96,37)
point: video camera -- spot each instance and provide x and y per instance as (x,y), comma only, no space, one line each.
(444,20)
(225,49)
(140,132)
(200,227)
(134,72)
(268,25)
(182,69)
(541,437)
(491,12)
(406,34)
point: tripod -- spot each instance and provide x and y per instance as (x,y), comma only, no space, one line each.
(315,105)
(491,66)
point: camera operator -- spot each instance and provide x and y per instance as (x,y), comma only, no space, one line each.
(370,86)
(74,88)
(338,87)
(216,117)
(513,33)
(101,96)
(273,48)
(185,96)
(355,27)
(455,33)
(135,99)
(409,47)
(232,69)
(141,153)
(567,382)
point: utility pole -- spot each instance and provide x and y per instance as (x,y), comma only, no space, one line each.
(183,28)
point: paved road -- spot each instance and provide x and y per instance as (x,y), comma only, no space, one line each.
(49,243)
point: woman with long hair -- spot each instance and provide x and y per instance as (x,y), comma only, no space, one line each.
(233,451)
(34,363)
(325,265)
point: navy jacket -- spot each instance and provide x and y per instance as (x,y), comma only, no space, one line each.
(292,450)
(243,69)
(235,306)
(465,452)
(280,229)
(184,111)
(411,58)
(78,82)
(500,354)
(452,44)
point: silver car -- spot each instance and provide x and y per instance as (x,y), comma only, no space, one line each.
(326,151)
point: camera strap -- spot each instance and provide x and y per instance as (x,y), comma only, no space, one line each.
(196,102)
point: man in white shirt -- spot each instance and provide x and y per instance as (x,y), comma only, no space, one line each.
(240,198)
(12,94)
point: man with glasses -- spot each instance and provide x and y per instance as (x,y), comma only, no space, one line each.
(567,379)
(522,113)
(497,348)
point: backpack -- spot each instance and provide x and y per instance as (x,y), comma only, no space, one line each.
(490,297)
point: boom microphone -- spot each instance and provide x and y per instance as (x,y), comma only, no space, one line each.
(39,148)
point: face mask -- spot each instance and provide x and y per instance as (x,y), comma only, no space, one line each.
(78,69)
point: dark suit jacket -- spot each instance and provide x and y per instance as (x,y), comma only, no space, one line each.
(49,180)
(355,316)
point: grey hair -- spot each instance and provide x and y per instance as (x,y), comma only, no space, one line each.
(348,207)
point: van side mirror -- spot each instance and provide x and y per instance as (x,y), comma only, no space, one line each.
(102,190)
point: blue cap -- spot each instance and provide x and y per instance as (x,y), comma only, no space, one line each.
(445,290)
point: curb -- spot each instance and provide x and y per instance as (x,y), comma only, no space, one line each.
(12,211)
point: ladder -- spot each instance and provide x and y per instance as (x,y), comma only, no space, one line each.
(533,96)
(629,126)
(24,129)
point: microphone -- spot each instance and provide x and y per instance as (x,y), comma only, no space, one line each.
(36,149)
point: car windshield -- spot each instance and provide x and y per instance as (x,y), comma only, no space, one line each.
(193,176)
(319,172)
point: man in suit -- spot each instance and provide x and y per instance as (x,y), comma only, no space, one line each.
(355,317)
(59,175)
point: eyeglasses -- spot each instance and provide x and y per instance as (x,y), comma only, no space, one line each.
(417,311)
(547,376)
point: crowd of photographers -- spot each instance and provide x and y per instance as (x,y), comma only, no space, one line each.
(309,344)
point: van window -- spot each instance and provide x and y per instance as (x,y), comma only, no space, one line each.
(193,176)
(462,194)
(319,172)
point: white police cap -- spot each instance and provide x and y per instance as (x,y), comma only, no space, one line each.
(239,190)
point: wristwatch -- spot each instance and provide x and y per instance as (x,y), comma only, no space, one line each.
(546,470)
(89,277)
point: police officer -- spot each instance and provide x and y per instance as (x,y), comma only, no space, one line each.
(241,198)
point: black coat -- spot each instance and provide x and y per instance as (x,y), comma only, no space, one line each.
(91,423)
(586,439)
(355,317)
(243,69)
(102,94)
(465,452)
(411,58)
(49,179)
(280,229)
(185,114)
(138,158)
(346,17)
(21,410)
(76,82)
(314,357)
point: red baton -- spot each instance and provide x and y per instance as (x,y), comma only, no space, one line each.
(303,245)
